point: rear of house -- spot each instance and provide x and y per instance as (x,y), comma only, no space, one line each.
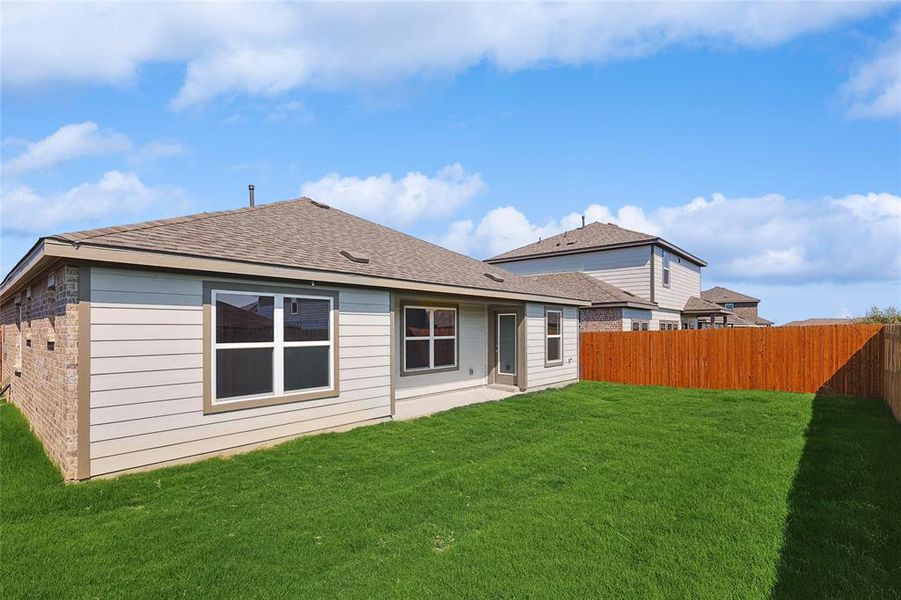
(171,340)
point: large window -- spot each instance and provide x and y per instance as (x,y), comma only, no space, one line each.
(430,338)
(270,345)
(553,327)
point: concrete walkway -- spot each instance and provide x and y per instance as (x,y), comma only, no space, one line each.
(427,405)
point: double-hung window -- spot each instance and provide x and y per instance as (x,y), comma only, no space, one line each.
(553,327)
(271,346)
(430,338)
(666,269)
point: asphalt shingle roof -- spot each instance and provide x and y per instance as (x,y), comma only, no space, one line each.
(699,305)
(594,290)
(305,234)
(721,295)
(593,235)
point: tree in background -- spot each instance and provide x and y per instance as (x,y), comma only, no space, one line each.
(885,315)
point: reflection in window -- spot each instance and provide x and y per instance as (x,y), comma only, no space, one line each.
(430,338)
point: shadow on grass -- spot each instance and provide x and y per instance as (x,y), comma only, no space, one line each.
(843,532)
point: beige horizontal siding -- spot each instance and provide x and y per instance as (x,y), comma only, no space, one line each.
(685,282)
(472,338)
(141,458)
(146,373)
(539,375)
(626,268)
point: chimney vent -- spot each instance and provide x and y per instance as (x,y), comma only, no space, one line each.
(250,191)
(583,221)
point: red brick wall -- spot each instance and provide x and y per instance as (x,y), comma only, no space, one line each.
(600,319)
(46,387)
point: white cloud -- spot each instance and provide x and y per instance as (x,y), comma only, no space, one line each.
(270,48)
(767,239)
(874,90)
(159,149)
(80,140)
(116,194)
(67,143)
(398,201)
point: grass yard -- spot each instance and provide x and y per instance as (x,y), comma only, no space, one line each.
(593,490)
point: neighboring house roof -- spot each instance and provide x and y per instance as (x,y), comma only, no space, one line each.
(762,321)
(293,239)
(594,236)
(810,322)
(696,305)
(599,293)
(721,295)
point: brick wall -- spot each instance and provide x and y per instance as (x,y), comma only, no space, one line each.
(44,377)
(746,310)
(600,319)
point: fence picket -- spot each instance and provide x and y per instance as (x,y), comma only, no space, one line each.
(859,360)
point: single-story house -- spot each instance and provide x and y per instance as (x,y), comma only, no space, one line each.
(169,340)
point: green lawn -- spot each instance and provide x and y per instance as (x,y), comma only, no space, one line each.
(593,490)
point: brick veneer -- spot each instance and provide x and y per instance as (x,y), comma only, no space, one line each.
(746,310)
(600,319)
(46,389)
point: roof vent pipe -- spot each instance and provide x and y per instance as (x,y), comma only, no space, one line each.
(583,221)
(250,191)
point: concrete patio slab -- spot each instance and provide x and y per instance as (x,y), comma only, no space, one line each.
(421,406)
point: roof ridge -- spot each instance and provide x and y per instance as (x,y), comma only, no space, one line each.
(144,225)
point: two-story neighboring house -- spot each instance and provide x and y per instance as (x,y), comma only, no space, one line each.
(744,307)
(635,281)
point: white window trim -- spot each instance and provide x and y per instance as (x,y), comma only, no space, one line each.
(278,343)
(548,337)
(730,305)
(667,275)
(431,338)
(640,322)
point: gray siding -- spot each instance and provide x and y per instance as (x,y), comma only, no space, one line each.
(626,268)
(473,355)
(538,374)
(147,372)
(685,281)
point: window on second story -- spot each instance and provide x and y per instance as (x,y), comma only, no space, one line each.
(666,270)
(730,305)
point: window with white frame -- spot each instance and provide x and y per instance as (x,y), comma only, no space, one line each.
(430,338)
(271,345)
(640,325)
(730,305)
(553,327)
(666,269)
(669,325)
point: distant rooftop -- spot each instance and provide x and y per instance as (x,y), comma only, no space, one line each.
(721,295)
(594,236)
(599,293)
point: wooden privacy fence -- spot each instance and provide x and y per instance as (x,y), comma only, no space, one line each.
(858,360)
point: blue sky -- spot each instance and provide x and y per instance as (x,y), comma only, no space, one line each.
(763,138)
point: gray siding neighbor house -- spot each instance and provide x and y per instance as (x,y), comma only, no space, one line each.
(645,282)
(159,342)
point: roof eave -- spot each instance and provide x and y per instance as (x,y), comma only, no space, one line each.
(58,249)
(624,304)
(34,260)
